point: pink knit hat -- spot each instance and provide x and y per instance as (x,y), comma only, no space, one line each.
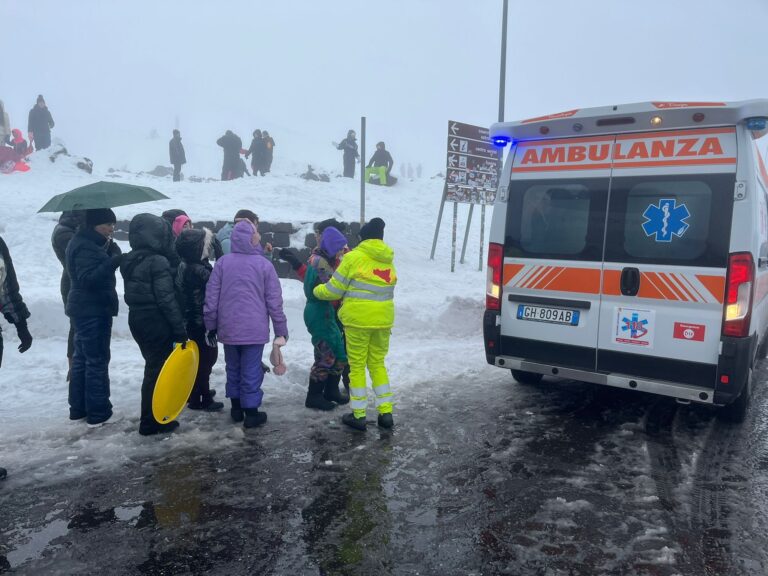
(178,224)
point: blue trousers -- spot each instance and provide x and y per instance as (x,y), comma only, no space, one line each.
(244,373)
(89,378)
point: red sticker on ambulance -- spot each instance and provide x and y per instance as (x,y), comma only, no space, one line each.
(684,331)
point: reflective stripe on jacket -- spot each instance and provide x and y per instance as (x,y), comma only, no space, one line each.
(365,280)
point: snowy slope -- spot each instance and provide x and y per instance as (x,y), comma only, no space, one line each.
(437,334)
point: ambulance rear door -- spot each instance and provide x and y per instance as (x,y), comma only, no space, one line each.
(666,255)
(553,246)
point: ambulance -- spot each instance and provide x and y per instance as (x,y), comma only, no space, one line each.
(629,248)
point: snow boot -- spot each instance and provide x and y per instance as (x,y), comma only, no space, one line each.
(207,404)
(159,428)
(331,390)
(315,397)
(356,423)
(385,421)
(236,411)
(254,418)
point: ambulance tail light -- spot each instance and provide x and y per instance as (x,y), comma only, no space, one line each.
(738,294)
(493,284)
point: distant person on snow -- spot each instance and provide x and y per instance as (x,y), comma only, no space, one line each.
(176,150)
(269,150)
(16,141)
(257,152)
(349,145)
(40,124)
(232,144)
(12,307)
(380,158)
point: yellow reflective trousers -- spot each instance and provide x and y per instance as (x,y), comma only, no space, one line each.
(367,348)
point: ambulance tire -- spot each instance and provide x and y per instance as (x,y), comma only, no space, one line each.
(526,377)
(736,411)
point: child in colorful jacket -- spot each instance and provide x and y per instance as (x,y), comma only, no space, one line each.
(242,294)
(365,281)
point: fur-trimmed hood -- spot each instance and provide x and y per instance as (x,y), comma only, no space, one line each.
(194,245)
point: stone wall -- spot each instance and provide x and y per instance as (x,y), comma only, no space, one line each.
(279,234)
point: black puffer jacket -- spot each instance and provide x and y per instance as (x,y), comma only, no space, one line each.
(11,304)
(91,263)
(146,272)
(62,234)
(194,247)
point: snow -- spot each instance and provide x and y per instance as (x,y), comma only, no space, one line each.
(437,333)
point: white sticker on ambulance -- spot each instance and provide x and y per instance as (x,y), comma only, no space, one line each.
(634,327)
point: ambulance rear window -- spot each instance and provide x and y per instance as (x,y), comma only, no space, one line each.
(677,220)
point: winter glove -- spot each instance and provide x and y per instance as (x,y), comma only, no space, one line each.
(211,339)
(276,357)
(116,259)
(290,256)
(24,336)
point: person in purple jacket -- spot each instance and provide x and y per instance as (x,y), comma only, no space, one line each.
(243,293)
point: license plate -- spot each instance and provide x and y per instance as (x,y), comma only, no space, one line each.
(546,314)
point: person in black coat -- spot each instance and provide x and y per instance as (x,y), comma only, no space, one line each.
(195,247)
(382,157)
(257,152)
(154,315)
(269,151)
(40,124)
(91,260)
(12,307)
(176,151)
(232,145)
(62,234)
(349,145)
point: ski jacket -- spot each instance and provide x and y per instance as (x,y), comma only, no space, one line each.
(63,232)
(243,293)
(40,121)
(223,236)
(91,261)
(381,158)
(176,151)
(349,145)
(269,146)
(11,303)
(365,280)
(149,285)
(320,315)
(257,151)
(231,144)
(194,247)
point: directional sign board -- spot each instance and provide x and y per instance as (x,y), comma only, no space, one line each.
(472,164)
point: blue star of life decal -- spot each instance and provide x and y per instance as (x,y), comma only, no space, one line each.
(636,327)
(666,220)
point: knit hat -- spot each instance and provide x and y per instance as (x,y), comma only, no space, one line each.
(373,230)
(332,241)
(96,216)
(178,224)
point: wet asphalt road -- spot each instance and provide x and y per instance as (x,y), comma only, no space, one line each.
(560,478)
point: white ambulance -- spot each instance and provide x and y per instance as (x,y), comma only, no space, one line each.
(629,247)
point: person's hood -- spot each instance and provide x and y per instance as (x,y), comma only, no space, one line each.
(332,241)
(172,214)
(195,245)
(377,250)
(150,232)
(71,219)
(241,239)
(225,232)
(178,224)
(17,137)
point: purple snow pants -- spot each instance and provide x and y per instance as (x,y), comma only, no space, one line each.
(244,373)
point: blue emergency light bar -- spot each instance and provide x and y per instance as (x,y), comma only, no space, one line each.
(501,141)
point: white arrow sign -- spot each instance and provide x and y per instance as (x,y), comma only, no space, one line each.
(451,161)
(454,128)
(453,144)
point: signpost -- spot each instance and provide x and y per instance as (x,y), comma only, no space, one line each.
(472,177)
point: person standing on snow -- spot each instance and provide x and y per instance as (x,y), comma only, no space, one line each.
(269,151)
(91,260)
(232,145)
(257,152)
(39,124)
(320,319)
(63,232)
(242,295)
(195,247)
(12,307)
(178,157)
(154,315)
(349,145)
(365,282)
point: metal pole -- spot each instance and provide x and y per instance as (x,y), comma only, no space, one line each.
(503,70)
(362,169)
(482,236)
(439,220)
(466,233)
(453,236)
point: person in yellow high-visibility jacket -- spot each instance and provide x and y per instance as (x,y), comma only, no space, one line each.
(365,281)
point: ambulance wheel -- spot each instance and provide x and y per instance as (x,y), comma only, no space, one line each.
(526,377)
(737,410)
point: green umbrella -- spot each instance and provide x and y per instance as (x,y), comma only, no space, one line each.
(101,195)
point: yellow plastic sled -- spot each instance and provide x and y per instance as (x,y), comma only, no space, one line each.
(174,384)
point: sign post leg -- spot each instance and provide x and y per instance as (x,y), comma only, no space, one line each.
(439,220)
(482,236)
(453,236)
(362,170)
(466,233)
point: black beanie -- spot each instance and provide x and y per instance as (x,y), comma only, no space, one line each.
(374,230)
(96,216)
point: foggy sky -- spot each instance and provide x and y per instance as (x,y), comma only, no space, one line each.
(306,70)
